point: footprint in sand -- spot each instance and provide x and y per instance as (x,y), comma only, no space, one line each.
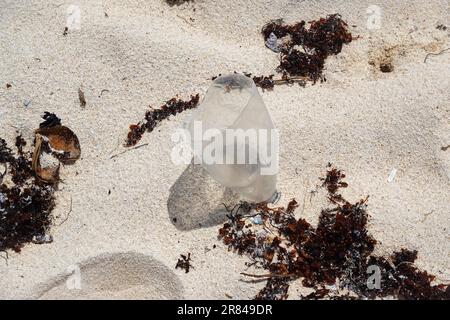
(115,276)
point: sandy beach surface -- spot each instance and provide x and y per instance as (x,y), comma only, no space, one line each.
(131,216)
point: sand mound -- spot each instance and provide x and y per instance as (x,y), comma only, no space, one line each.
(126,275)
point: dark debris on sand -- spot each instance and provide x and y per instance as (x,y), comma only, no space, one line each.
(50,120)
(340,247)
(26,199)
(264,82)
(303,51)
(155,116)
(275,289)
(306,49)
(184,262)
(177,2)
(25,203)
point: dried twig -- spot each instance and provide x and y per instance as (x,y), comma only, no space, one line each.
(426,215)
(129,149)
(7,256)
(434,54)
(269,275)
(68,213)
(289,80)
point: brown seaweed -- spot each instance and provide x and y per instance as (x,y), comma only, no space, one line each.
(26,198)
(155,116)
(25,204)
(305,52)
(340,247)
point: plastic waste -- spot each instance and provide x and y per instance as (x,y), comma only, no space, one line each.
(272,43)
(233,137)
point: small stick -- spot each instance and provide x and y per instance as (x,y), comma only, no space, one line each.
(129,149)
(270,275)
(184,19)
(36,153)
(434,54)
(287,80)
(426,215)
(404,262)
(67,216)
(7,256)
(115,148)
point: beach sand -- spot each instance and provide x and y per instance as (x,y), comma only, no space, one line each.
(121,237)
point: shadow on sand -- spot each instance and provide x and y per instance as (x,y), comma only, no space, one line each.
(197,201)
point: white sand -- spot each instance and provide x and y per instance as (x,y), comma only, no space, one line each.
(125,244)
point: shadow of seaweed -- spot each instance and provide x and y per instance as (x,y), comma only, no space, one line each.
(197,201)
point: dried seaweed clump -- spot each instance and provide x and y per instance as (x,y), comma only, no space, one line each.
(154,116)
(177,2)
(264,82)
(50,120)
(340,247)
(28,183)
(303,51)
(25,203)
(333,181)
(275,289)
(400,278)
(184,262)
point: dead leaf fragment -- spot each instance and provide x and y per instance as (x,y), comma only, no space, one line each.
(82,98)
